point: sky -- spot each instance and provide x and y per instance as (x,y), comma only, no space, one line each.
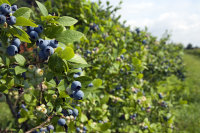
(180,17)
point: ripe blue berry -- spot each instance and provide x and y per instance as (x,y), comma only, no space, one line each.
(88,52)
(11,20)
(76,76)
(2,19)
(0,44)
(29,29)
(61,122)
(76,85)
(14,7)
(50,127)
(122,57)
(16,42)
(70,112)
(78,129)
(48,51)
(53,43)
(42,55)
(90,85)
(33,35)
(43,130)
(84,128)
(23,106)
(75,112)
(78,95)
(42,43)
(137,31)
(160,96)
(144,42)
(5,9)
(12,50)
(39,29)
(79,73)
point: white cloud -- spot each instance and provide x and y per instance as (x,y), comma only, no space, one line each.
(181,17)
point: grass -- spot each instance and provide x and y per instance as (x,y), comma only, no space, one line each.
(188,117)
(6,118)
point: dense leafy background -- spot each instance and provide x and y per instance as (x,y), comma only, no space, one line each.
(138,80)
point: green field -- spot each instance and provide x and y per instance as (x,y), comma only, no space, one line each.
(188,117)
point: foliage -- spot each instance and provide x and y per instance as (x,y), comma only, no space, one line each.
(129,82)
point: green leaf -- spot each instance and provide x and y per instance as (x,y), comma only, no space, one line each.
(12,1)
(69,36)
(97,82)
(19,70)
(83,117)
(56,64)
(61,86)
(105,126)
(4,1)
(21,21)
(78,59)
(23,12)
(67,21)
(27,97)
(20,59)
(21,34)
(67,53)
(53,30)
(3,88)
(21,120)
(42,8)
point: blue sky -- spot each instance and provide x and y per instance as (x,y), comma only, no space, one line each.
(180,17)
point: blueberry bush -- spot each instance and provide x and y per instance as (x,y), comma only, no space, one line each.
(88,72)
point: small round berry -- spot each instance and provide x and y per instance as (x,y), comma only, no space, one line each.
(50,127)
(42,43)
(48,51)
(5,9)
(33,35)
(78,95)
(90,85)
(14,7)
(16,42)
(29,29)
(53,43)
(75,112)
(61,122)
(2,19)
(12,50)
(11,20)
(39,29)
(42,55)
(76,85)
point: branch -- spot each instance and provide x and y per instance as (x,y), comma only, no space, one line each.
(10,106)
(41,125)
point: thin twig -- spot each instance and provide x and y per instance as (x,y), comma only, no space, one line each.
(41,125)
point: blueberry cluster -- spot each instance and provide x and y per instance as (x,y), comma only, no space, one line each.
(14,48)
(77,94)
(69,115)
(34,32)
(46,48)
(81,129)
(47,129)
(6,14)
(133,117)
(94,27)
